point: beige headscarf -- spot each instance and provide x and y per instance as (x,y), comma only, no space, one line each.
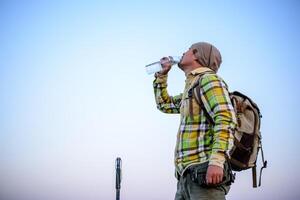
(207,55)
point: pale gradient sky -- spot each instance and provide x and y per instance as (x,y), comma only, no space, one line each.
(75,94)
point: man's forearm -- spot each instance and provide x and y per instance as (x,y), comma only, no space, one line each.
(164,102)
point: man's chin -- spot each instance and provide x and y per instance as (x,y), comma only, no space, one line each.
(180,65)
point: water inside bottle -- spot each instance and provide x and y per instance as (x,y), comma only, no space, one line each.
(153,68)
(156,66)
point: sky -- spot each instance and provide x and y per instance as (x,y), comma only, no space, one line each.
(74,93)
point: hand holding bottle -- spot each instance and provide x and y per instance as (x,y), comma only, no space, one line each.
(163,66)
(166,65)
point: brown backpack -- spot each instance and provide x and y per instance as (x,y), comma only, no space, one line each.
(247,135)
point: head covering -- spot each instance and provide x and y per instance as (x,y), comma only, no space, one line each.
(207,55)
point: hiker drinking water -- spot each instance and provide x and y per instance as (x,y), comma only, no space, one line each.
(205,134)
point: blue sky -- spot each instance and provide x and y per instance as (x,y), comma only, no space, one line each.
(75,94)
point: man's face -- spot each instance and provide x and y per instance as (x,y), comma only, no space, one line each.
(188,58)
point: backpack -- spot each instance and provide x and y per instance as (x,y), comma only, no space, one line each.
(247,135)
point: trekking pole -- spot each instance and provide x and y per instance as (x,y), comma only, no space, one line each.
(118,177)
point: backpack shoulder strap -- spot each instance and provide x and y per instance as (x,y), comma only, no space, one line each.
(195,90)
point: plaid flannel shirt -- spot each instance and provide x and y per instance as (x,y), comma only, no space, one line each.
(198,141)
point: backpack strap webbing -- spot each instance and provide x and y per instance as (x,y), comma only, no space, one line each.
(264,165)
(196,90)
(254,180)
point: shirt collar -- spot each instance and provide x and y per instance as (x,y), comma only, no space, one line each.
(199,70)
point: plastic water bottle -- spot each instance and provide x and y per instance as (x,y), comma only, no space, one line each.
(157,66)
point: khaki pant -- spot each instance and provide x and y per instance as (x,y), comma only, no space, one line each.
(188,190)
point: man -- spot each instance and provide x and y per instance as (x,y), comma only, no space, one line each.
(199,140)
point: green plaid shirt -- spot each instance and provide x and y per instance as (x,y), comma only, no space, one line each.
(199,141)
